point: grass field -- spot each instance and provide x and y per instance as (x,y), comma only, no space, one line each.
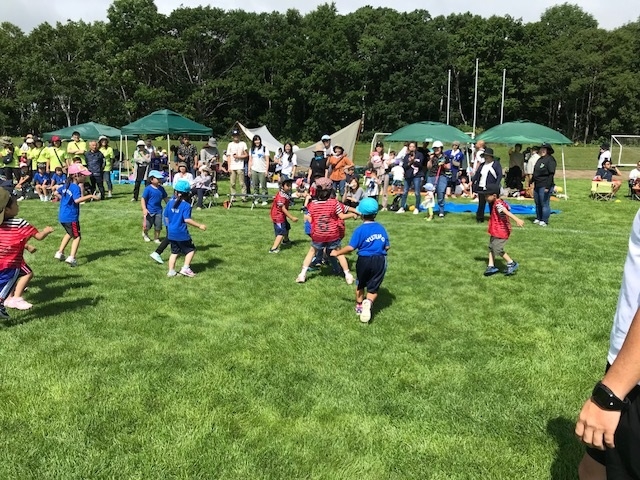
(119,372)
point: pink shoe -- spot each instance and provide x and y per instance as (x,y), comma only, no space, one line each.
(18,303)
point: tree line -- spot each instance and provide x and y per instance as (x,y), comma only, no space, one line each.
(306,74)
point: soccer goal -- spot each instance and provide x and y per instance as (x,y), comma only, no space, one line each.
(625,150)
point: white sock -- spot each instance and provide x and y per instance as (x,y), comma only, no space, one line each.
(185,267)
(346,272)
(303,272)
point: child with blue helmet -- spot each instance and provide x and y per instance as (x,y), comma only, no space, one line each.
(177,215)
(372,242)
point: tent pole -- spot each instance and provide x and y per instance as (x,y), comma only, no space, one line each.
(120,162)
(169,159)
(126,146)
(564,176)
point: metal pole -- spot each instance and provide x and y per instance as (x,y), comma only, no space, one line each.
(448,96)
(504,83)
(475,101)
(564,176)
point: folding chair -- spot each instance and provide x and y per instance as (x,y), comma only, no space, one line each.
(602,191)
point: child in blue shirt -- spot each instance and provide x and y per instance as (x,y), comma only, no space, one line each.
(71,197)
(177,215)
(372,242)
(151,201)
(58,178)
(41,180)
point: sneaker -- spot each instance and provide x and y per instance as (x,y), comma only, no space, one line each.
(511,268)
(18,303)
(358,309)
(416,212)
(146,237)
(536,221)
(187,272)
(365,315)
(133,200)
(383,209)
(255,202)
(59,256)
(542,224)
(20,199)
(264,203)
(274,250)
(71,261)
(348,278)
(400,210)
(156,256)
(491,271)
(301,279)
(287,242)
(109,195)
(172,273)
(157,240)
(199,208)
(441,215)
(3,312)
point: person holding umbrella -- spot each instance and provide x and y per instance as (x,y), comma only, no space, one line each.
(543,182)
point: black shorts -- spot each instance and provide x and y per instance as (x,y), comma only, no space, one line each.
(25,269)
(72,228)
(182,246)
(623,462)
(370,272)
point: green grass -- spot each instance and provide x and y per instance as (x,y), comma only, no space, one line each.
(240,373)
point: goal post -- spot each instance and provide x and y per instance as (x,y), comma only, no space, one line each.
(625,150)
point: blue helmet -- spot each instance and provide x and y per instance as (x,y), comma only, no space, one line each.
(182,186)
(367,206)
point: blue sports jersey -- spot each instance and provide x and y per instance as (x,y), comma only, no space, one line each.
(153,196)
(40,178)
(174,219)
(69,209)
(59,179)
(370,239)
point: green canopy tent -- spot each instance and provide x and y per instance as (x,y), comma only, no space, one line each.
(523,131)
(432,131)
(164,122)
(88,131)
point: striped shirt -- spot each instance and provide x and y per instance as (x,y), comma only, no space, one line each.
(282,200)
(326,225)
(14,235)
(499,223)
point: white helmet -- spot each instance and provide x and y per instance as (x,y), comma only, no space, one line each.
(437,144)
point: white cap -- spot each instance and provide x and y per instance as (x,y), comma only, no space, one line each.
(325,137)
(437,144)
(140,143)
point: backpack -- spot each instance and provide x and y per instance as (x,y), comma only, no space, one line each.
(395,204)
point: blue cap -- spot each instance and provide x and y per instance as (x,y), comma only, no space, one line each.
(182,186)
(367,206)
(156,174)
(429,187)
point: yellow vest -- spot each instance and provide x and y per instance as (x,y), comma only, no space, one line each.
(37,155)
(108,157)
(57,157)
(73,146)
(15,162)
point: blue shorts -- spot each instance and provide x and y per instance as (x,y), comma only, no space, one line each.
(281,228)
(370,272)
(8,278)
(320,246)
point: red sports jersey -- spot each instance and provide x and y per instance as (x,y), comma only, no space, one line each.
(326,225)
(14,234)
(282,200)
(499,223)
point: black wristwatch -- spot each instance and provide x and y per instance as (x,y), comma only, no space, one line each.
(606,399)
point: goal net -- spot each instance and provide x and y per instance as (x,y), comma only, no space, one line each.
(625,150)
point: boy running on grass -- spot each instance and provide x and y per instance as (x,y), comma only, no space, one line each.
(280,214)
(14,234)
(372,242)
(499,231)
(151,202)
(327,229)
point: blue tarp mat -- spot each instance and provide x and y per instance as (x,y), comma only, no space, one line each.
(516,209)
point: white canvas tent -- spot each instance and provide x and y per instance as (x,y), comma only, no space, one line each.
(345,137)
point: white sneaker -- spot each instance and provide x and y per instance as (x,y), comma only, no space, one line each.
(400,210)
(536,221)
(59,256)
(71,261)
(264,204)
(146,237)
(157,240)
(156,256)
(441,215)
(365,316)
(255,202)
(42,198)
(172,273)
(109,195)
(20,199)
(416,211)
(301,279)
(542,224)
(348,278)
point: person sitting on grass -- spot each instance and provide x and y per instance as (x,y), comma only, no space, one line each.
(279,215)
(353,194)
(327,217)
(499,230)
(24,184)
(42,183)
(58,179)
(14,235)
(70,198)
(177,215)
(606,173)
(372,243)
(151,202)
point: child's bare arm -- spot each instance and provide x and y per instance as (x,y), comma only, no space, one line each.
(351,214)
(30,248)
(342,251)
(87,197)
(201,226)
(518,221)
(288,215)
(43,234)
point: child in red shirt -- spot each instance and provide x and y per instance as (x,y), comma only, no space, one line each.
(280,214)
(499,231)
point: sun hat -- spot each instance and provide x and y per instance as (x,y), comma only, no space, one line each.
(5,196)
(367,206)
(6,140)
(182,186)
(456,143)
(140,143)
(156,174)
(182,164)
(437,144)
(102,137)
(492,189)
(204,168)
(429,187)
(29,140)
(28,135)
(488,152)
(55,138)
(325,137)
(212,142)
(324,183)
(78,169)
(549,148)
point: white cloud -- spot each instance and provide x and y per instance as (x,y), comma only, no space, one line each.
(610,13)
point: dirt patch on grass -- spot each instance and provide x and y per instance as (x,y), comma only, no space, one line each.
(577,174)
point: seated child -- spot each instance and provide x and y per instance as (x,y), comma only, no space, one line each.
(353,194)
(42,183)
(397,173)
(24,184)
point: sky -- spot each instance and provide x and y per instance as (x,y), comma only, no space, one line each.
(29,13)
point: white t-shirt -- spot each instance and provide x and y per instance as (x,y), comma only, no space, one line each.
(398,173)
(635,173)
(531,163)
(238,148)
(288,162)
(478,159)
(629,298)
(606,155)
(178,176)
(484,173)
(259,158)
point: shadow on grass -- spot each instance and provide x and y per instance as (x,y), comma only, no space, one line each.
(210,263)
(106,253)
(50,309)
(207,246)
(569,451)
